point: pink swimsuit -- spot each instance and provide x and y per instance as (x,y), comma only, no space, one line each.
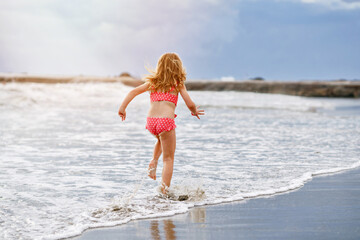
(157,125)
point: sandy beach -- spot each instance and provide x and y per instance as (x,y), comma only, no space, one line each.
(325,208)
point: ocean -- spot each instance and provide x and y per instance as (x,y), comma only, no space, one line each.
(68,163)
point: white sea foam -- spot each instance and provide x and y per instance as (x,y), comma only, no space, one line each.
(68,163)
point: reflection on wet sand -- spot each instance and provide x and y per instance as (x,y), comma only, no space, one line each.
(154,229)
(196,215)
(169,229)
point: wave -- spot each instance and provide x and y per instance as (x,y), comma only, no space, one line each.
(123,206)
(245,107)
(19,95)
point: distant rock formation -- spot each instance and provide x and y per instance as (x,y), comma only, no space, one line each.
(125,74)
(258,79)
(129,80)
(348,89)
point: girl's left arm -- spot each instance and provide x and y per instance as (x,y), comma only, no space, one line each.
(129,97)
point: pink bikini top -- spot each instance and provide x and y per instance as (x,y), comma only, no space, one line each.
(164,96)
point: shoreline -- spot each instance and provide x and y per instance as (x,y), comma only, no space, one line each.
(332,89)
(294,194)
(259,217)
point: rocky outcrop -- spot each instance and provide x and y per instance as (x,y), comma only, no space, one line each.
(125,74)
(344,89)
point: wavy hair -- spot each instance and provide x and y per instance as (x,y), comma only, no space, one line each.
(169,73)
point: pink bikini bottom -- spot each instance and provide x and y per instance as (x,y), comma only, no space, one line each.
(159,125)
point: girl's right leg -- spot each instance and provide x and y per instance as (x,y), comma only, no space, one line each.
(168,145)
(156,155)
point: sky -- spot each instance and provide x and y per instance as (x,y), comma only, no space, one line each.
(216,39)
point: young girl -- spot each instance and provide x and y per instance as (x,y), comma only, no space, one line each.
(164,86)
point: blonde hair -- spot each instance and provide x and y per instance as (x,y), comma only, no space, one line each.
(169,73)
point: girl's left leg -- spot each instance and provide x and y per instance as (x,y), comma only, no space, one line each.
(156,155)
(168,145)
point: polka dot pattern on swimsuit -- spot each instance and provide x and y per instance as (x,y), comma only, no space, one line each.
(160,96)
(159,125)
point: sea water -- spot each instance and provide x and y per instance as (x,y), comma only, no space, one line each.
(68,163)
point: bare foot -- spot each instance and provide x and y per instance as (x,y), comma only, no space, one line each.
(164,188)
(152,169)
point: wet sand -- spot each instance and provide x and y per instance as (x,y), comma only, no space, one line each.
(328,207)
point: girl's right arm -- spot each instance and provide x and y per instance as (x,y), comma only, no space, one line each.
(129,97)
(195,111)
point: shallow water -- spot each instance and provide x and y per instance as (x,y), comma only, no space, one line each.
(68,163)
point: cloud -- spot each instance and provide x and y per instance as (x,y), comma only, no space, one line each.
(336,4)
(107,37)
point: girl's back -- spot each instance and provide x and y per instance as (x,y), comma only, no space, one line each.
(163,104)
(164,85)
